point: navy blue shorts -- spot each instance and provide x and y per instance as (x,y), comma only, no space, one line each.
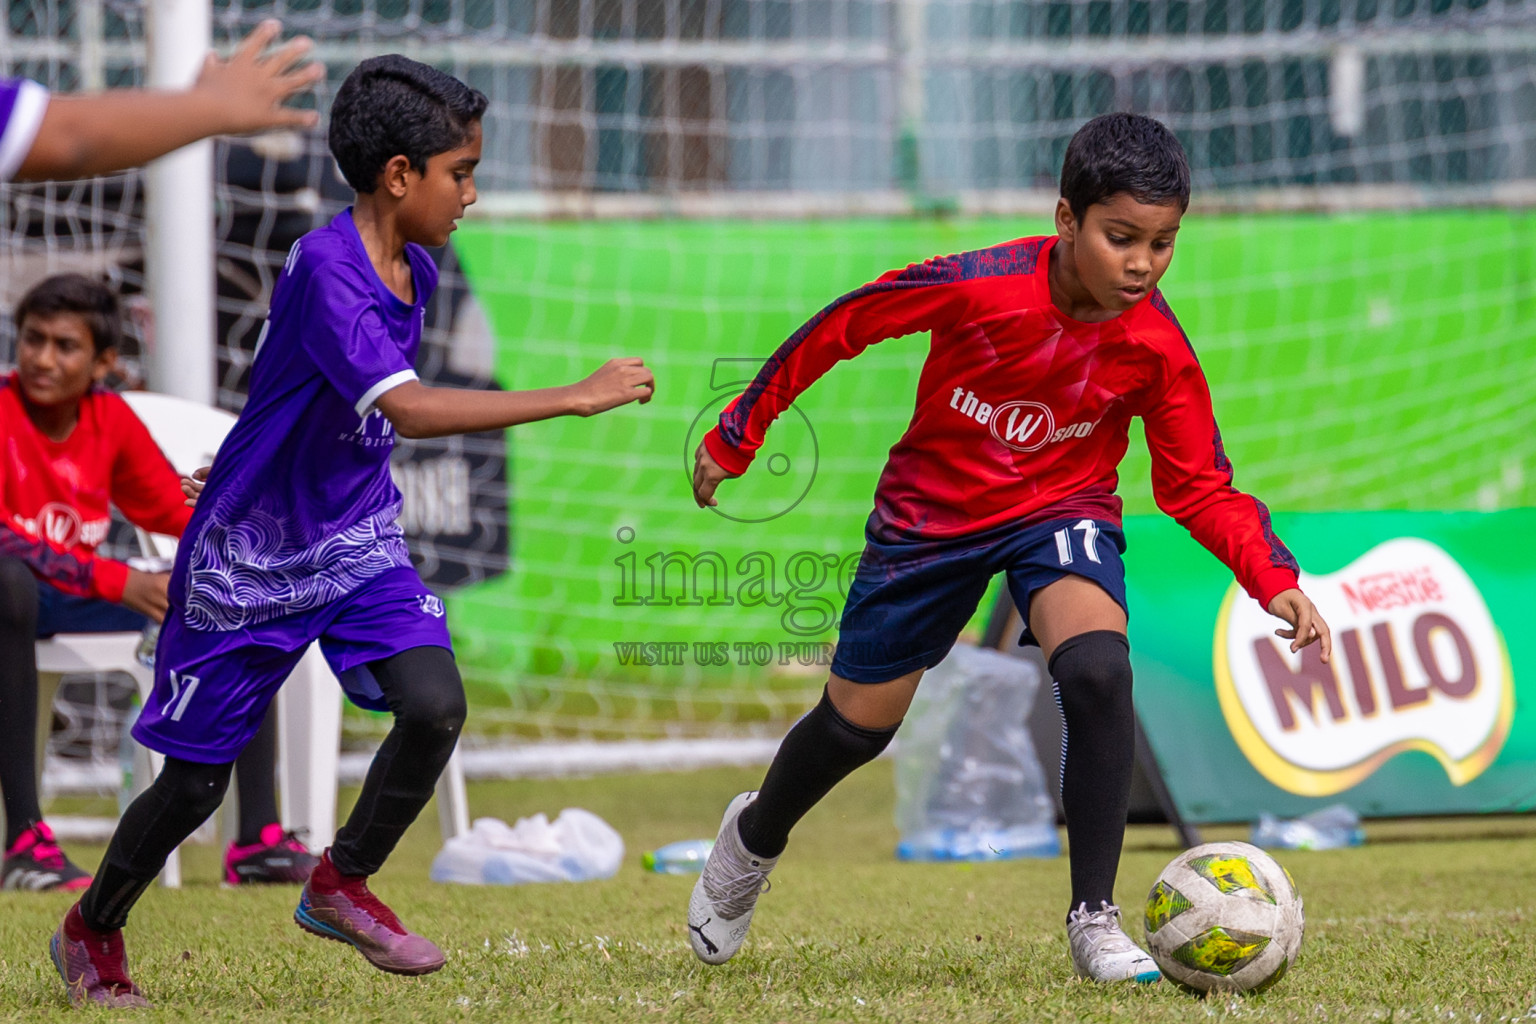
(58,612)
(909,601)
(212,689)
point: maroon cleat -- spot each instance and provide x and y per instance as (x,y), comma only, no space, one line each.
(340,907)
(93,965)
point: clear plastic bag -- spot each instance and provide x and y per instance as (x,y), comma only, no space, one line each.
(968,783)
(575,847)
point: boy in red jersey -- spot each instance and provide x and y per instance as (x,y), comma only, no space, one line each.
(1043,349)
(70,448)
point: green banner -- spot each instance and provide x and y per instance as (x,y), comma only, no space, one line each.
(1410,362)
(1428,705)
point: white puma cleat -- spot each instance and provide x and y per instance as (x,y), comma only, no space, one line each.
(1101,951)
(726,893)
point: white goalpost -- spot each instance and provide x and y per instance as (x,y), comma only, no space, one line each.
(178,215)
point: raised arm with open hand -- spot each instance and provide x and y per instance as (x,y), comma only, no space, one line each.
(100,132)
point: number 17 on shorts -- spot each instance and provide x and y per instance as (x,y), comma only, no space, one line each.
(1084,535)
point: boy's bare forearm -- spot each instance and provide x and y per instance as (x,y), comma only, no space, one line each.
(85,135)
(419,411)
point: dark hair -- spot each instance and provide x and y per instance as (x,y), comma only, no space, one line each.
(393,106)
(88,299)
(1124,153)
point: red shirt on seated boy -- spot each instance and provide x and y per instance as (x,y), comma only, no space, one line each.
(68,450)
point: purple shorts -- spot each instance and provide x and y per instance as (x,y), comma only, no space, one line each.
(212,689)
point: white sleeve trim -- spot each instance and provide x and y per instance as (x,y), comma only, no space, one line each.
(394,380)
(21,130)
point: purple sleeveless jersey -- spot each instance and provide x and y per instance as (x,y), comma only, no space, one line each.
(295,536)
(300,509)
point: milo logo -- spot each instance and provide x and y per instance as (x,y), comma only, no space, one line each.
(1418,664)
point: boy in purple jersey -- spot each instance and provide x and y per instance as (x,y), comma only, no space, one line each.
(295,536)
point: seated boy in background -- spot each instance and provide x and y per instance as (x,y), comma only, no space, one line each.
(70,448)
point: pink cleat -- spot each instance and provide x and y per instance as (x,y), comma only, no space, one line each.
(340,907)
(35,862)
(276,858)
(93,965)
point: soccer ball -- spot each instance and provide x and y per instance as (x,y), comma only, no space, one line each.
(1224,917)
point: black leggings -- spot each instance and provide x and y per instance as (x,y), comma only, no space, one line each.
(425,693)
(18,697)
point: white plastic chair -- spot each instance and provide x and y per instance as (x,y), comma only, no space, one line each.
(308,705)
(188,434)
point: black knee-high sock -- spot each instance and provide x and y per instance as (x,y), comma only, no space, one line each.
(181,799)
(423,689)
(819,752)
(18,698)
(1092,672)
(256,781)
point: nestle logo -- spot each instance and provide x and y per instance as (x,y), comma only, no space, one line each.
(1395,589)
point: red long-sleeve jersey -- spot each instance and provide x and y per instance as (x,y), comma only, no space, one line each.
(1023,413)
(54,494)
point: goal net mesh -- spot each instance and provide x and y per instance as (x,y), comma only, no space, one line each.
(688,180)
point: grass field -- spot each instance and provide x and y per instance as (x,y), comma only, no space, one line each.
(1430,921)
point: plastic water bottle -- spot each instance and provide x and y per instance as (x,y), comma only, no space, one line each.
(125,752)
(145,652)
(980,844)
(148,640)
(682,858)
(1327,829)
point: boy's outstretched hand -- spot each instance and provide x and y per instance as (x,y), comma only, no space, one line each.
(707,475)
(617,382)
(251,86)
(1307,625)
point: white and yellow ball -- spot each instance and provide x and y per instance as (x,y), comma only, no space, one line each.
(1224,917)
